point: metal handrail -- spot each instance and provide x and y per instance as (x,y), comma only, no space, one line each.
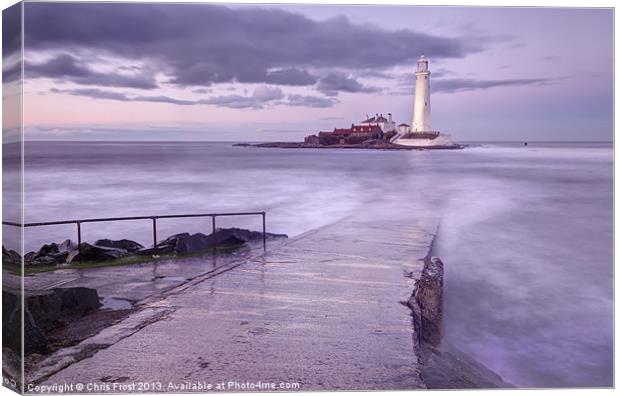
(78,222)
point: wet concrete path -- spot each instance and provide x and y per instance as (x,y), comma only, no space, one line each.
(323,311)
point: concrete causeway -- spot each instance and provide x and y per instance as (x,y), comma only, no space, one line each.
(324,311)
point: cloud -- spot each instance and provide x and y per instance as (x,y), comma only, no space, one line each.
(165,99)
(291,76)
(96,93)
(93,93)
(338,82)
(202,44)
(454,85)
(310,101)
(12,71)
(261,96)
(11,30)
(69,68)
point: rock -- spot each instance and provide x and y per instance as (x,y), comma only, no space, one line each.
(11,319)
(183,243)
(10,256)
(50,254)
(94,253)
(78,299)
(426,303)
(44,311)
(47,250)
(124,244)
(44,260)
(186,243)
(245,235)
(43,256)
(44,307)
(196,243)
(67,246)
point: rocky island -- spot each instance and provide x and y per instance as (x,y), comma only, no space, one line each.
(368,145)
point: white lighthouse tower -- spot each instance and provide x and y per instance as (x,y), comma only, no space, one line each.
(422,134)
(422,101)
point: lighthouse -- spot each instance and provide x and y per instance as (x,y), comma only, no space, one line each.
(421,134)
(422,100)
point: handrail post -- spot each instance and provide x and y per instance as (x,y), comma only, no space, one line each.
(213,233)
(264,232)
(154,236)
(79,240)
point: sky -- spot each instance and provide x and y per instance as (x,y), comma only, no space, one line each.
(97,71)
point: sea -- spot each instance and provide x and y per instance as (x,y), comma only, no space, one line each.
(525,231)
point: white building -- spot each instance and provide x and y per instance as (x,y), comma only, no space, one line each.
(422,102)
(404,129)
(386,124)
(421,133)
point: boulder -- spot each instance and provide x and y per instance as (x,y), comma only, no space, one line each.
(10,256)
(186,243)
(44,311)
(89,252)
(44,307)
(426,303)
(123,244)
(50,254)
(77,299)
(67,246)
(196,243)
(222,234)
(183,243)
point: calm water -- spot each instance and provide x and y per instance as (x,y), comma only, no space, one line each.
(526,233)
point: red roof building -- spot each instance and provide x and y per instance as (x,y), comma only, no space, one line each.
(355,134)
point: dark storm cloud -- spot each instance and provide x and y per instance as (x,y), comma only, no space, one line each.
(11,30)
(290,77)
(198,44)
(310,101)
(69,68)
(338,82)
(11,43)
(462,84)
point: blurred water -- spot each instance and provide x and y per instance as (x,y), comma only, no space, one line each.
(526,232)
